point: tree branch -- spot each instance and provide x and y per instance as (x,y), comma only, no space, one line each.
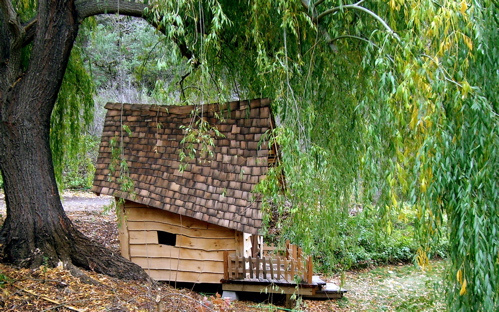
(318,3)
(12,18)
(353,37)
(11,38)
(29,32)
(356,6)
(312,12)
(88,8)
(59,304)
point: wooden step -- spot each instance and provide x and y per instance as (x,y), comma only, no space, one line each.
(326,292)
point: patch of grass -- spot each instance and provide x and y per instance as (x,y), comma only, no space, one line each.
(3,280)
(362,244)
(395,288)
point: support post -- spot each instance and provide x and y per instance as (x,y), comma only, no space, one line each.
(310,270)
(226,265)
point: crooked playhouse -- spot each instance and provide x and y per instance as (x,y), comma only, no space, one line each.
(197,220)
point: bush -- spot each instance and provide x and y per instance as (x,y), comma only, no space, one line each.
(363,242)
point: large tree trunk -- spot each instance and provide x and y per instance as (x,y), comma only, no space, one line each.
(36,230)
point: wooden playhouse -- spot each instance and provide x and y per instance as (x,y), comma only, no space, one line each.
(181,215)
(195,219)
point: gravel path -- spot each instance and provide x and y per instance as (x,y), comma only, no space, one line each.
(76,201)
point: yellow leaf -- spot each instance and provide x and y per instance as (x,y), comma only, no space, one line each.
(463,288)
(466,88)
(464,7)
(394,200)
(422,258)
(414,117)
(459,276)
(468,42)
(423,185)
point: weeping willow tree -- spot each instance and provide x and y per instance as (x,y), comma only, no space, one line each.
(386,103)
(390,104)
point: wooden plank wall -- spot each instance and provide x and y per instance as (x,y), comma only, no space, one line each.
(197,256)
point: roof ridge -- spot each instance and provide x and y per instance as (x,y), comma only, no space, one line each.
(184,109)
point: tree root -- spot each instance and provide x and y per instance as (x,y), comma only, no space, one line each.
(84,278)
(92,256)
(69,246)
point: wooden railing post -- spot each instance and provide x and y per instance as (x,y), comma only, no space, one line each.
(271,263)
(251,267)
(244,267)
(257,271)
(299,268)
(237,264)
(264,268)
(278,274)
(292,272)
(226,265)
(310,270)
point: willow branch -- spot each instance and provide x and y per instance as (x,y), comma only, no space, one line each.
(318,3)
(446,73)
(313,14)
(87,8)
(353,37)
(356,6)
(336,9)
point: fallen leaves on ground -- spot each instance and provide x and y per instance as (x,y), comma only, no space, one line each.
(45,289)
(55,289)
(98,226)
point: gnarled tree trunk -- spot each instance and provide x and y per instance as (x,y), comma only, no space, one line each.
(36,229)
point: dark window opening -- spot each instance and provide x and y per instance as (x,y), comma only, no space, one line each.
(165,238)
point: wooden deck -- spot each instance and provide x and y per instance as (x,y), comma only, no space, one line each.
(289,274)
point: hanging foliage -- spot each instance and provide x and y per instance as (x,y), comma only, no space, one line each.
(73,112)
(391,105)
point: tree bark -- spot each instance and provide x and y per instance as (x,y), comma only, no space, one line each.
(36,230)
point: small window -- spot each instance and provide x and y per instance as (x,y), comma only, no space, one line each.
(165,238)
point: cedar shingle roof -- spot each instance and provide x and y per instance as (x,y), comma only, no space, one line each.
(216,189)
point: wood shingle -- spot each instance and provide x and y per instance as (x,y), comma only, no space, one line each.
(215,188)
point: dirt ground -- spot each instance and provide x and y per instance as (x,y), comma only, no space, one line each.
(56,289)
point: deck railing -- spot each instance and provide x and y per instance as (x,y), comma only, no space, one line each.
(292,268)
